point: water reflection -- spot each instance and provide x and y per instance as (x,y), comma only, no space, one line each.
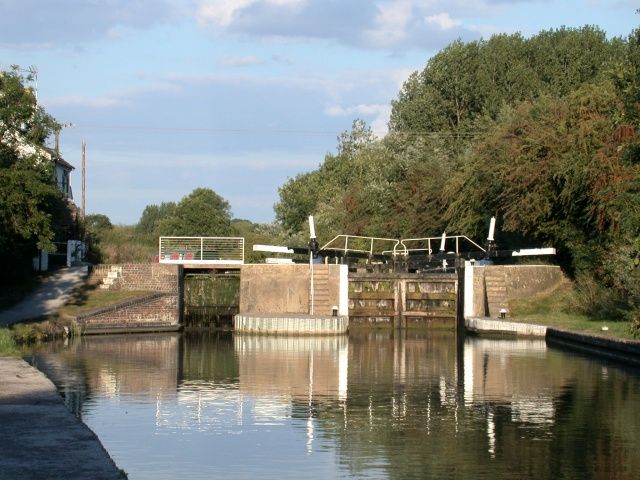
(374,405)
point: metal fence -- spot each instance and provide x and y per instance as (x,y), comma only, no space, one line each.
(357,244)
(201,250)
(429,245)
(400,247)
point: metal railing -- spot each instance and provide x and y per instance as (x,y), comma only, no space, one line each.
(346,244)
(201,250)
(427,245)
(357,244)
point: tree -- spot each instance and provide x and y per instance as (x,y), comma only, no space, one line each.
(201,213)
(152,216)
(30,204)
(97,222)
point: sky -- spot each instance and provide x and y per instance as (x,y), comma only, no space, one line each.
(239,95)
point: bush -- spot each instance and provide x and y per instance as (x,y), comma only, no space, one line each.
(25,333)
(7,343)
(596,301)
(634,322)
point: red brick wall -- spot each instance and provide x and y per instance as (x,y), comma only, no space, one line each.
(159,311)
(149,312)
(153,277)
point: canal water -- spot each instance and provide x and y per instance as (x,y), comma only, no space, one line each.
(378,405)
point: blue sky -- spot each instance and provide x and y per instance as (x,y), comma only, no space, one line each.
(239,95)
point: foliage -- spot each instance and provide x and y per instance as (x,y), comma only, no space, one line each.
(7,343)
(152,216)
(201,213)
(97,222)
(540,131)
(123,244)
(31,207)
(46,329)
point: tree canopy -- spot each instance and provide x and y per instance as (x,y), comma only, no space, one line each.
(201,213)
(31,206)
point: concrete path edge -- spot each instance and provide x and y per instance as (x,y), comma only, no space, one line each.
(625,351)
(40,437)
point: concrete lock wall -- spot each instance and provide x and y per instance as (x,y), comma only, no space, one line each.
(285,289)
(492,287)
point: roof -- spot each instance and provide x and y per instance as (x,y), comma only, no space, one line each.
(58,159)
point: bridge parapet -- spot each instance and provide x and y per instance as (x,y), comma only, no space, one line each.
(201,250)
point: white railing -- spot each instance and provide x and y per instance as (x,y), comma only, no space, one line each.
(357,244)
(399,248)
(201,250)
(427,245)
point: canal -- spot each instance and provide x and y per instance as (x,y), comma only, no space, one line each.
(422,405)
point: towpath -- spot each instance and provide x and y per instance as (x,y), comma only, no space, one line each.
(40,438)
(47,297)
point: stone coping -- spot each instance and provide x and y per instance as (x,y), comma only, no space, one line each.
(104,329)
(492,326)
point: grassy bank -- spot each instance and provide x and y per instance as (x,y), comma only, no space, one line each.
(88,297)
(61,324)
(8,346)
(560,308)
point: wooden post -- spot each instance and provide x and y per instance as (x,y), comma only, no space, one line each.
(460,298)
(84,178)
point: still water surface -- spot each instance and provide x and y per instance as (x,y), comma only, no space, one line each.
(414,405)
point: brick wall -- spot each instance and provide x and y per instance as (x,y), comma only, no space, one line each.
(162,309)
(153,277)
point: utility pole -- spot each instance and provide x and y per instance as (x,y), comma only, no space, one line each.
(84,178)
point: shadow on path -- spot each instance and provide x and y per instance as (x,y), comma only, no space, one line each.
(50,295)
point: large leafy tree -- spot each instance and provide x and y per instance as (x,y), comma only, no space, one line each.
(152,216)
(201,213)
(30,204)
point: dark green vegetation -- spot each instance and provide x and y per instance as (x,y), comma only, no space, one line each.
(562,308)
(33,212)
(201,213)
(540,131)
(211,298)
(8,346)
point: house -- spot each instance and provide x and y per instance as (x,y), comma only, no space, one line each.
(62,173)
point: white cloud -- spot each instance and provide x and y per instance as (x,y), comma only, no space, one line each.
(224,12)
(443,21)
(391,23)
(379,112)
(82,101)
(220,12)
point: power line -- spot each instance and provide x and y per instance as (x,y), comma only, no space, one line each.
(261,131)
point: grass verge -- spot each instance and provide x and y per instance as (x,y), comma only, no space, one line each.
(61,324)
(89,297)
(8,346)
(556,308)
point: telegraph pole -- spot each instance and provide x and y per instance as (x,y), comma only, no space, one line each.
(84,178)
